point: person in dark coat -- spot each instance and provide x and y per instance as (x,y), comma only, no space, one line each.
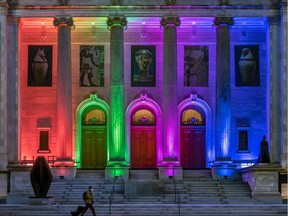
(264,156)
(89,201)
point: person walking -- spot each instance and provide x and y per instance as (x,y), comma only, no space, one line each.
(88,198)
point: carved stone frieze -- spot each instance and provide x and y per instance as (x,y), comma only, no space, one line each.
(170,2)
(63,2)
(223,20)
(116,21)
(223,2)
(170,21)
(116,2)
(63,21)
(13,3)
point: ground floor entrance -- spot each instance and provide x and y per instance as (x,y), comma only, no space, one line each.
(94,151)
(143,147)
(193,149)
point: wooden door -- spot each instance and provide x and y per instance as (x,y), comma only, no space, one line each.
(193,147)
(143,147)
(94,151)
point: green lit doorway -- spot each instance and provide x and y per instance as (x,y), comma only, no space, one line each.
(94,139)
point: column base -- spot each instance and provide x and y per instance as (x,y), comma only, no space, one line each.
(41,200)
(170,169)
(223,169)
(117,169)
(263,180)
(63,170)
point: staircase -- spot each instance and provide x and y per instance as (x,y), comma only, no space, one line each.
(200,195)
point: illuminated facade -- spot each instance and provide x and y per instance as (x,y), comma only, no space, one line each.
(170,85)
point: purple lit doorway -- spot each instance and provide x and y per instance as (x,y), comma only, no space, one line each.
(196,146)
(193,147)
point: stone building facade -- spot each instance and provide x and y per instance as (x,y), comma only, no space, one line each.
(119,85)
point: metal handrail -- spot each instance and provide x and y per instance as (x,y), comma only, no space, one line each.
(176,194)
(111,197)
(179,202)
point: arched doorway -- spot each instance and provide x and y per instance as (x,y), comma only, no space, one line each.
(143,139)
(197,148)
(139,130)
(92,117)
(193,138)
(94,135)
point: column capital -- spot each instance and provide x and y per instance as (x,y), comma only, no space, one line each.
(13,20)
(170,21)
(274,20)
(60,21)
(223,20)
(120,21)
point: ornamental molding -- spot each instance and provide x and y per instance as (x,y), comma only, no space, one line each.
(116,2)
(170,2)
(170,21)
(93,97)
(63,2)
(59,21)
(193,97)
(223,20)
(120,21)
(223,2)
(13,3)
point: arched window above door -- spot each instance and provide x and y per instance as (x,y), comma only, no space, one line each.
(193,117)
(93,117)
(143,117)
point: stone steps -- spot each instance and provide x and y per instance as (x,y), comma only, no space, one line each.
(150,209)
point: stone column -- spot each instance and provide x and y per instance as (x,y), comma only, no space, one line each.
(284,86)
(223,97)
(170,96)
(274,84)
(117,121)
(12,90)
(3,101)
(64,93)
(283,100)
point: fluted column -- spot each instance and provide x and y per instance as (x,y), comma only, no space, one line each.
(284,85)
(170,91)
(117,148)
(223,86)
(274,84)
(12,91)
(3,102)
(64,89)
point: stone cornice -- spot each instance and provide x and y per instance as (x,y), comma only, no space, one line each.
(232,3)
(140,11)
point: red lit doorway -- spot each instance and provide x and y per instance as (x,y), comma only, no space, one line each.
(94,133)
(143,140)
(193,139)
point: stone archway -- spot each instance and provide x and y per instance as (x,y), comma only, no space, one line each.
(144,102)
(93,102)
(193,100)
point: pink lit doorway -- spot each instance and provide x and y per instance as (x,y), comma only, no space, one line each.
(143,140)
